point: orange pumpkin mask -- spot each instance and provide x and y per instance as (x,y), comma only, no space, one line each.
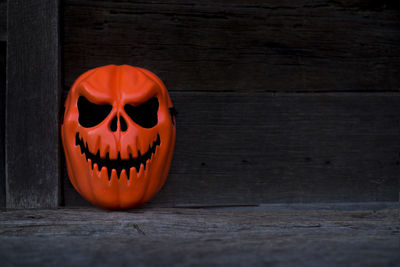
(118,135)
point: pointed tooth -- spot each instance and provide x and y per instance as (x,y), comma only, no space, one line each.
(141,171)
(104,175)
(124,153)
(96,170)
(147,169)
(114,176)
(127,173)
(123,180)
(133,174)
(154,153)
(132,151)
(113,154)
(97,145)
(104,151)
(89,162)
(158,140)
(138,147)
(145,162)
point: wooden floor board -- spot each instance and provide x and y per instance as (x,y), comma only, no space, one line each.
(362,236)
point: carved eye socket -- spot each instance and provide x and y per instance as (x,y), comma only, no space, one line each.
(91,114)
(145,114)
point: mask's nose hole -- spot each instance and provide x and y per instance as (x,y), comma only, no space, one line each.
(123,124)
(114,124)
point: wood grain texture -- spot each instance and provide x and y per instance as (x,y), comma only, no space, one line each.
(33,102)
(3,20)
(258,236)
(240,148)
(237,45)
(3,53)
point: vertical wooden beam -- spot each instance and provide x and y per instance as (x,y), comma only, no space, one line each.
(2,122)
(3,53)
(32,104)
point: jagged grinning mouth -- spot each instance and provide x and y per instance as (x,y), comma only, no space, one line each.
(117,164)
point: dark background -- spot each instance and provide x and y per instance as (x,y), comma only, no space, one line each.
(278,101)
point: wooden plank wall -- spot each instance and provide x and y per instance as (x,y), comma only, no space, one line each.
(285,101)
(33,102)
(281,46)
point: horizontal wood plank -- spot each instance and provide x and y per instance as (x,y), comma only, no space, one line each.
(33,102)
(3,20)
(240,148)
(200,237)
(276,46)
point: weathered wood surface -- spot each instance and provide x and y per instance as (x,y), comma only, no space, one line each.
(3,20)
(237,148)
(3,47)
(302,45)
(256,236)
(33,102)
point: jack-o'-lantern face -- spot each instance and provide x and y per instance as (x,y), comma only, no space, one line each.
(118,135)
